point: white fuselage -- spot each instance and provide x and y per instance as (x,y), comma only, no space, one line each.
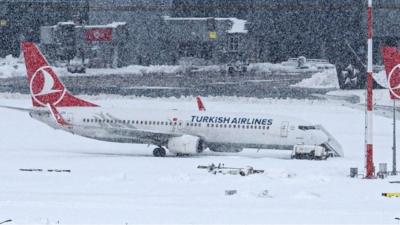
(216,129)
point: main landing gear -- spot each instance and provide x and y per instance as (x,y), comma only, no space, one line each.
(159,152)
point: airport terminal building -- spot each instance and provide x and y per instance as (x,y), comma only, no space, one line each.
(164,31)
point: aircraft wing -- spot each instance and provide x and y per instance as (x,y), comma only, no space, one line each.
(148,136)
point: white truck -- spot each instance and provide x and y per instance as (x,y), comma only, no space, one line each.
(309,152)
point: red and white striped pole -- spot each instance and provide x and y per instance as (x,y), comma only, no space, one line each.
(369,164)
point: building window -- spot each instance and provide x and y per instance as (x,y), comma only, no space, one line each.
(233,44)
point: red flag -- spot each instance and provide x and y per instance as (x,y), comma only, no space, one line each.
(391,59)
(98,34)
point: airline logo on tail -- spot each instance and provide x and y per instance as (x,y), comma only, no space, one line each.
(45,86)
(394,82)
(391,58)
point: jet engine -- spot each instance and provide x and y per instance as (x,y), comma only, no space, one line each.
(185,144)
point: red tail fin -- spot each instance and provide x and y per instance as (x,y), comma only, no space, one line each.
(200,104)
(391,59)
(45,86)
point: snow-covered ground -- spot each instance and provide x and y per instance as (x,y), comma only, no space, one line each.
(123,183)
(324,79)
(13,67)
(380,96)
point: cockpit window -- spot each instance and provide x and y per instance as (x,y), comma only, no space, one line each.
(307,127)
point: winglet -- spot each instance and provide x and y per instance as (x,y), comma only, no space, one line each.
(200,104)
(56,115)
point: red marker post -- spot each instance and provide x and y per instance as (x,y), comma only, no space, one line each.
(369,163)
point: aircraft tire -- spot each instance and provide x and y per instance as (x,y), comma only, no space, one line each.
(159,152)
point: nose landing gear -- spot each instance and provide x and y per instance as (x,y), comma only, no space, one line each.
(159,152)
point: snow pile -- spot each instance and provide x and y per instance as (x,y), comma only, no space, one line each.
(291,67)
(268,67)
(238,25)
(136,69)
(11,67)
(324,79)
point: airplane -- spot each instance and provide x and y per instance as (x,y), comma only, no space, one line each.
(181,132)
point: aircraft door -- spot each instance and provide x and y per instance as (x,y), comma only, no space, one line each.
(176,124)
(284,128)
(68,117)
